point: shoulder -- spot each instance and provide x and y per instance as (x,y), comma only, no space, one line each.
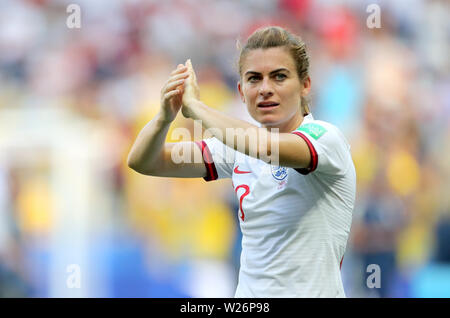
(329,145)
(322,131)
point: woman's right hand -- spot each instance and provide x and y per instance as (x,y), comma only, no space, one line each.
(172,93)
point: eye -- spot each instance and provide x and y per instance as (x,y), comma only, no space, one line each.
(280,76)
(253,79)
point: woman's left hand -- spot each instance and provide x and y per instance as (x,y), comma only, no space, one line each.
(191,90)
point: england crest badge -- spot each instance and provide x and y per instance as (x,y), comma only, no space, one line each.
(279,172)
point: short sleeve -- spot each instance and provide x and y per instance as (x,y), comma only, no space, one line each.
(218,158)
(330,152)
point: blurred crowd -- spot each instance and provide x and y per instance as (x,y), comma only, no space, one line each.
(387,88)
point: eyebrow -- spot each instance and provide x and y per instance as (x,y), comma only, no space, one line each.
(275,71)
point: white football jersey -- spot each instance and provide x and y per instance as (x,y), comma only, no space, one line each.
(294,222)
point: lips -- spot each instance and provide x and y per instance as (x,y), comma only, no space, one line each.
(267,104)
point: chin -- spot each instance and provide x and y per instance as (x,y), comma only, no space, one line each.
(270,122)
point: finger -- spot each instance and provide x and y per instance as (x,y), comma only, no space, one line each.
(173,79)
(191,69)
(178,76)
(173,85)
(194,76)
(188,63)
(171,94)
(180,68)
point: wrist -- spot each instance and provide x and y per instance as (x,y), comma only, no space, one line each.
(162,120)
(189,107)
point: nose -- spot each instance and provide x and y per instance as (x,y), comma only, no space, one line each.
(265,89)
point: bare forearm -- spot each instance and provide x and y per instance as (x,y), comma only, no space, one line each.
(235,133)
(149,145)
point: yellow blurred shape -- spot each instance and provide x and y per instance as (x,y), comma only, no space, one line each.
(148,110)
(413,245)
(35,206)
(215,94)
(365,158)
(214,233)
(403,173)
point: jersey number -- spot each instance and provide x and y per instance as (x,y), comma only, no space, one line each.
(247,191)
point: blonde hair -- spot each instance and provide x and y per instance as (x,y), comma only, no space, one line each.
(275,36)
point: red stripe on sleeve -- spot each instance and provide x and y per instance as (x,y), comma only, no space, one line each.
(211,172)
(313,152)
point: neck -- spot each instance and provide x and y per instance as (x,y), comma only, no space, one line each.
(289,125)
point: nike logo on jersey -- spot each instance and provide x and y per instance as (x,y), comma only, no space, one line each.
(236,170)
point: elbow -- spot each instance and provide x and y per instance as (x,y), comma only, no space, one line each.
(138,166)
(132,163)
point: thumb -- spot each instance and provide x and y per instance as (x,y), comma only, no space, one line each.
(190,67)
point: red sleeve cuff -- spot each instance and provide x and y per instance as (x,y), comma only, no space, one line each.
(312,151)
(211,172)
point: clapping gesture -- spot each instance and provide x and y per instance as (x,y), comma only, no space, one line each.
(181,89)
(172,92)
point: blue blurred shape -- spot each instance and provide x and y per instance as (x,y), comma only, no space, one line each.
(432,281)
(339,99)
(130,276)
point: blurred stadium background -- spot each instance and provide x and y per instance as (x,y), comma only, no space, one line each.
(73,100)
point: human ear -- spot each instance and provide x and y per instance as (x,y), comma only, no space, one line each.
(240,91)
(306,86)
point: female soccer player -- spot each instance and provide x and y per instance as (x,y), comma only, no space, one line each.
(295,215)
